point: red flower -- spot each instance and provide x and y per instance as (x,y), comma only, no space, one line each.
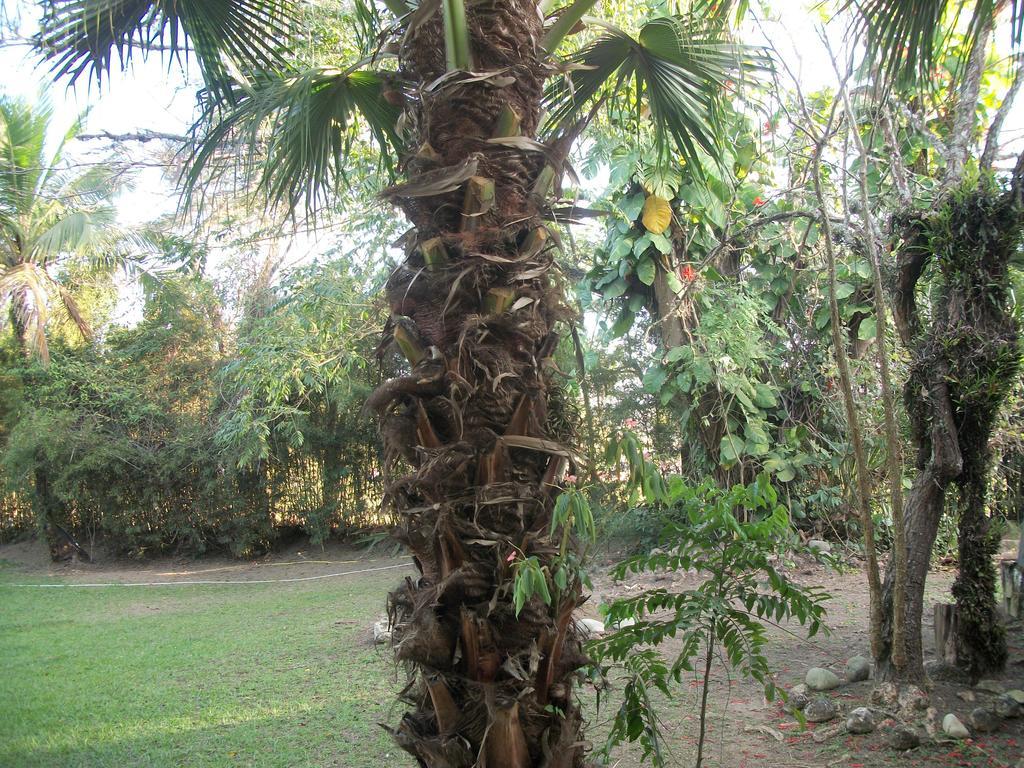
(768,127)
(629,423)
(687,273)
(759,201)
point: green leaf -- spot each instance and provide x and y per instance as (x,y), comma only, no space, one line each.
(730,449)
(622,248)
(303,124)
(623,324)
(662,243)
(655,379)
(843,290)
(678,65)
(645,271)
(642,244)
(88,36)
(868,329)
(616,289)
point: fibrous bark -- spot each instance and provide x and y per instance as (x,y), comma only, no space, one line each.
(476,432)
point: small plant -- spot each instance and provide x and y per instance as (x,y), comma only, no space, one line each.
(571,515)
(727,614)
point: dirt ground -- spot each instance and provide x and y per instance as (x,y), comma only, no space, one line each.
(744,731)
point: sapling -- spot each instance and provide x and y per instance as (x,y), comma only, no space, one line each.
(740,594)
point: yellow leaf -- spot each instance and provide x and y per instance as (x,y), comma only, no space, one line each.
(657,214)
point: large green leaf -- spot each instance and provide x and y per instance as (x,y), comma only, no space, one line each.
(83,36)
(678,65)
(298,129)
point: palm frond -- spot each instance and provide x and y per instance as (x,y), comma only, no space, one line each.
(903,36)
(83,36)
(298,131)
(75,313)
(78,231)
(22,159)
(678,66)
(26,285)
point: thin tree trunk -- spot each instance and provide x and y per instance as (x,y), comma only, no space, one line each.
(863,488)
(708,657)
(892,439)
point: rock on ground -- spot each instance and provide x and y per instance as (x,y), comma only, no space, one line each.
(860,720)
(1017,695)
(590,627)
(381,633)
(984,720)
(902,738)
(989,686)
(952,727)
(1007,707)
(820,710)
(857,668)
(820,679)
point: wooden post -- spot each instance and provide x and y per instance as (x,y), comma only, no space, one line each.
(945,632)
(1011,578)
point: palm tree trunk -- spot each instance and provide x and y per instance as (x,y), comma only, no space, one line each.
(475,434)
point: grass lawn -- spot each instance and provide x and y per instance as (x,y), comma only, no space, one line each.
(283,675)
(243,675)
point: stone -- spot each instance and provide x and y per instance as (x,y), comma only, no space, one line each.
(860,720)
(381,633)
(820,710)
(984,720)
(1007,708)
(796,701)
(822,547)
(820,679)
(952,727)
(966,695)
(629,621)
(901,738)
(857,669)
(590,627)
(989,686)
(1017,695)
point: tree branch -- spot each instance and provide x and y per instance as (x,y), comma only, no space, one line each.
(140,136)
(965,110)
(988,156)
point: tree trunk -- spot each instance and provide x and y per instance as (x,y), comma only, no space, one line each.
(963,365)
(707,422)
(476,435)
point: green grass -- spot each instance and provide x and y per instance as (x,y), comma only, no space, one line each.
(261,675)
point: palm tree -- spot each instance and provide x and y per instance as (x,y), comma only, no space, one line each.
(48,214)
(477,434)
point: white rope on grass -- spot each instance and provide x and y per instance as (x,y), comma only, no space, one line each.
(212,581)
